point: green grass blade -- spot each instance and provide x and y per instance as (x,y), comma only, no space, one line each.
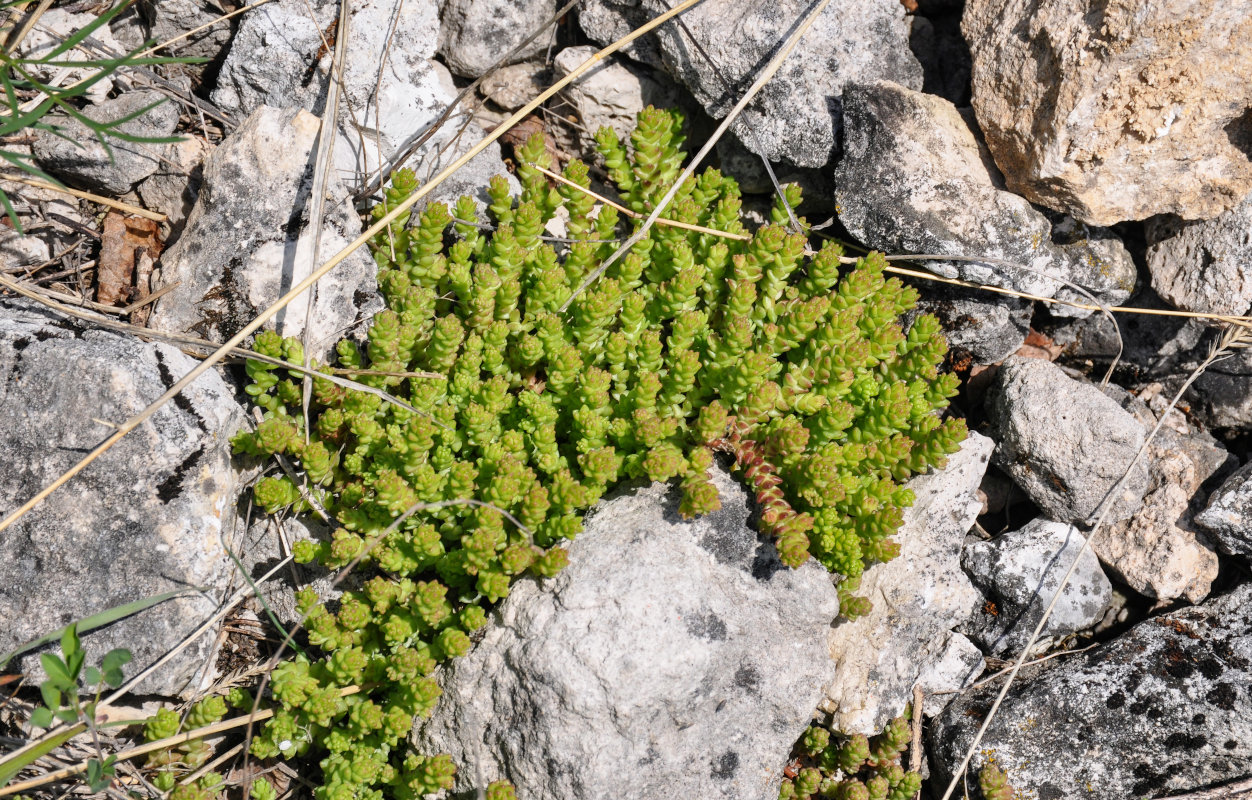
(97,620)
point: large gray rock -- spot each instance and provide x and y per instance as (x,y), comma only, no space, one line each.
(242,249)
(918,598)
(795,117)
(670,659)
(1228,515)
(475,34)
(1203,266)
(913,179)
(1021,572)
(80,158)
(272,62)
(1065,443)
(145,518)
(1117,111)
(1164,709)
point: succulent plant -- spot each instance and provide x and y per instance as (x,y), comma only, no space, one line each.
(521,402)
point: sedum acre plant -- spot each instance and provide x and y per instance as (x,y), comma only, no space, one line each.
(692,344)
(852,767)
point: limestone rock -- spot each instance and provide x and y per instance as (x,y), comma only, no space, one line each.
(516,85)
(918,598)
(1064,443)
(1117,114)
(913,179)
(1021,571)
(671,658)
(1164,709)
(162,20)
(796,115)
(474,34)
(609,95)
(1204,266)
(1158,552)
(145,518)
(957,666)
(242,249)
(1228,515)
(272,62)
(80,158)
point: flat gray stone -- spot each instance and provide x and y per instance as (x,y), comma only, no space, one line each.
(1065,443)
(914,179)
(1162,710)
(918,599)
(671,658)
(1021,571)
(143,519)
(83,160)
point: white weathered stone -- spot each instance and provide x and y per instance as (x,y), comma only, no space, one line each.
(1120,112)
(918,598)
(384,103)
(475,34)
(671,658)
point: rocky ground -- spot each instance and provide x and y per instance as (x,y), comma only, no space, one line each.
(1056,161)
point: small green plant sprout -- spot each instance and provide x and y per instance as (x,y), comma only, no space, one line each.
(851,767)
(172,763)
(29,98)
(525,401)
(993,782)
(70,680)
(61,690)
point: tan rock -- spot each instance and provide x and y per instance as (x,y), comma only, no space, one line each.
(1138,109)
(1158,552)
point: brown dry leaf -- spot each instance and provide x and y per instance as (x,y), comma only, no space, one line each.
(517,135)
(1037,345)
(126,239)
